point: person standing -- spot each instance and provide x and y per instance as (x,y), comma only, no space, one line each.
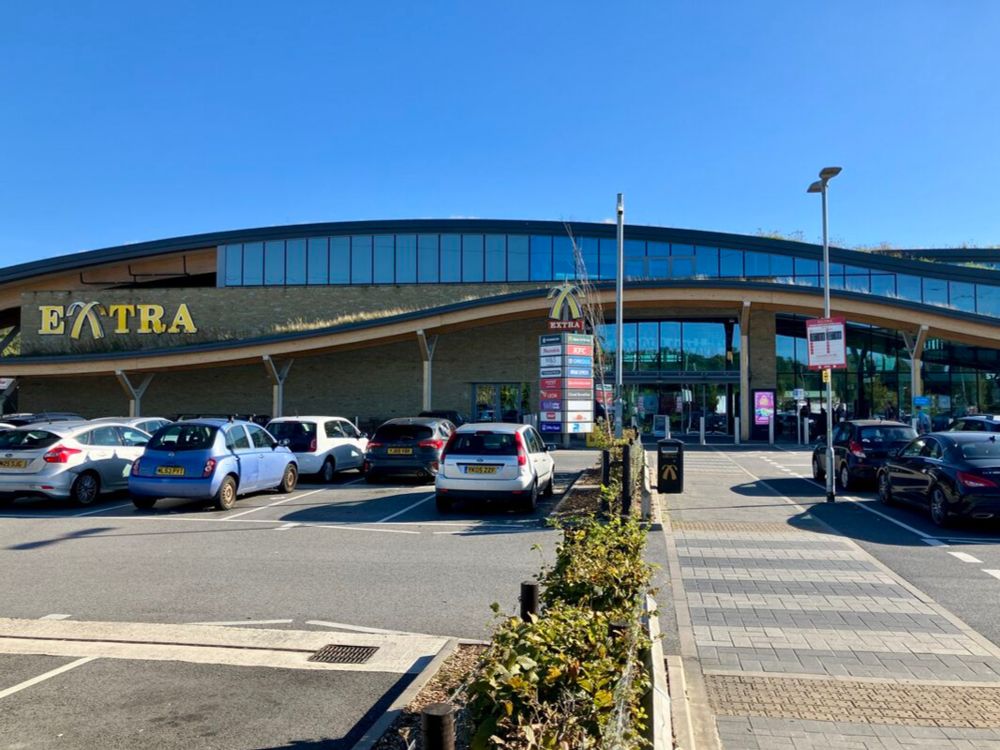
(923,421)
(890,411)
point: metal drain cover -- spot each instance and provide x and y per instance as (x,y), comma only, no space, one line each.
(337,654)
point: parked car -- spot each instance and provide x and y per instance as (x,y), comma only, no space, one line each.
(495,461)
(408,446)
(322,445)
(146,424)
(860,447)
(20,420)
(976,423)
(260,419)
(75,460)
(456,418)
(211,459)
(949,473)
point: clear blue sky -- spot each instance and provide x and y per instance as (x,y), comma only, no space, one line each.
(122,121)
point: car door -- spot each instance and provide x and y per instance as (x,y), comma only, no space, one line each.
(133,443)
(356,444)
(931,456)
(841,438)
(905,470)
(238,442)
(337,444)
(544,463)
(102,448)
(271,463)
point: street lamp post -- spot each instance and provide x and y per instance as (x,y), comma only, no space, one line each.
(820,186)
(619,326)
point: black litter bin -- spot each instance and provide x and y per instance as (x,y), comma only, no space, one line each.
(670,465)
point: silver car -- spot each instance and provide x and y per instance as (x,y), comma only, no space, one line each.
(74,460)
(146,424)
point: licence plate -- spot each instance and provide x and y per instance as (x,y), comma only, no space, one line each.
(400,451)
(13,463)
(480,469)
(170,471)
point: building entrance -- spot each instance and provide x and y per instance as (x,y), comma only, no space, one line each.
(683,404)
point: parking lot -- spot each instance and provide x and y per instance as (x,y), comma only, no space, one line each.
(186,626)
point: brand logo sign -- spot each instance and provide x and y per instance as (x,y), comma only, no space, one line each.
(118,319)
(566,313)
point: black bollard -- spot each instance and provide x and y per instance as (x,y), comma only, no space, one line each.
(437,726)
(529,599)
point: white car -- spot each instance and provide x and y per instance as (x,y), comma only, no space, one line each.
(322,445)
(495,461)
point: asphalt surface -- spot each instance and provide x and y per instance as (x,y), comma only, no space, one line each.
(348,558)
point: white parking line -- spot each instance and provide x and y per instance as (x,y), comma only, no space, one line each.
(55,617)
(43,677)
(994,573)
(965,557)
(271,505)
(933,542)
(287,526)
(421,501)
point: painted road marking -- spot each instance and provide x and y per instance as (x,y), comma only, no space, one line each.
(965,557)
(271,505)
(287,526)
(994,573)
(304,524)
(933,542)
(421,501)
(43,677)
(55,617)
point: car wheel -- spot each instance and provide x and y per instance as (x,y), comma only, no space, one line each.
(442,503)
(844,477)
(818,474)
(143,503)
(529,504)
(884,488)
(225,498)
(939,507)
(289,479)
(550,488)
(85,489)
(328,470)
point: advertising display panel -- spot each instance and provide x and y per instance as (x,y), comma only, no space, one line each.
(566,385)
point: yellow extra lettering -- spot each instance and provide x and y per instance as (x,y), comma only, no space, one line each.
(150,319)
(53,321)
(182,320)
(122,313)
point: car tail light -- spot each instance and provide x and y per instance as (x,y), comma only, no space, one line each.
(60,454)
(135,467)
(436,444)
(447,446)
(856,448)
(373,444)
(312,445)
(975,480)
(209,468)
(522,455)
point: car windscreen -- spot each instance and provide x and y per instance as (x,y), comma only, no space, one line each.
(183,437)
(26,440)
(984,449)
(402,433)
(882,434)
(483,444)
(300,435)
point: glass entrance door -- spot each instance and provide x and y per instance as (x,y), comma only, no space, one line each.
(683,405)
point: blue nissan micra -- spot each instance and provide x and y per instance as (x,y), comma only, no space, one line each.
(211,459)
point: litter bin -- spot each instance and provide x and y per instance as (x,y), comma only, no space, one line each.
(670,465)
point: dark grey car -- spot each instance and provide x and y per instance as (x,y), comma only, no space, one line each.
(408,446)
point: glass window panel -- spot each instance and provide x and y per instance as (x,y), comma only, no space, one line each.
(317,260)
(962,296)
(608,262)
(562,258)
(607,343)
(496,257)
(589,253)
(472,257)
(361,259)
(541,258)
(704,346)
(782,266)
(630,347)
(730,263)
(385,259)
(406,258)
(988,300)
(649,346)
(856,279)
(683,251)
(634,255)
(517,257)
(806,267)
(706,260)
(340,260)
(233,258)
(253,264)
(274,262)
(908,287)
(681,266)
(658,259)
(935,292)
(884,284)
(427,258)
(295,262)
(670,346)
(836,275)
(757,264)
(785,352)
(451,257)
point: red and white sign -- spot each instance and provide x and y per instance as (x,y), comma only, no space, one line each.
(579,383)
(551,416)
(827,339)
(547,394)
(579,350)
(566,325)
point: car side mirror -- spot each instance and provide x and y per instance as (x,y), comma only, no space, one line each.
(549,447)
(283,442)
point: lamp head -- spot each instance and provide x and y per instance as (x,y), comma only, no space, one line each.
(816,187)
(828,173)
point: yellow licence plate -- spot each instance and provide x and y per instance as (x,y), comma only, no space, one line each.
(170,471)
(400,451)
(13,463)
(480,469)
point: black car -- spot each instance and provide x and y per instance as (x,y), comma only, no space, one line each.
(860,447)
(975,423)
(454,417)
(408,446)
(949,473)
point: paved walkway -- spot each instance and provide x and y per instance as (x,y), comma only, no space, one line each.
(792,636)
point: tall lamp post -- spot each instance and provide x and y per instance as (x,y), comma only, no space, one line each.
(820,186)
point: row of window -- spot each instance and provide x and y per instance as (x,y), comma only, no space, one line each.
(478,258)
(652,345)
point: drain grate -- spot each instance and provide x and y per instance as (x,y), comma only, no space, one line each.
(337,654)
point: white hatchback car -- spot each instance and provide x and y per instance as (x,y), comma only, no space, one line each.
(322,445)
(495,461)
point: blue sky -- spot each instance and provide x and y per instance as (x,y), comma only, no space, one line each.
(122,122)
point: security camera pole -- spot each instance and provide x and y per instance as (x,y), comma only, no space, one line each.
(619,326)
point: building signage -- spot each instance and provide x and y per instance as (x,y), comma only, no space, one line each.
(577,393)
(551,403)
(566,313)
(827,343)
(566,386)
(550,394)
(79,318)
(549,351)
(577,350)
(549,372)
(580,372)
(551,426)
(580,361)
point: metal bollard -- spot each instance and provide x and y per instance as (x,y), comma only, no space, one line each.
(605,467)
(529,600)
(736,429)
(437,726)
(627,479)
(701,430)
(770,430)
